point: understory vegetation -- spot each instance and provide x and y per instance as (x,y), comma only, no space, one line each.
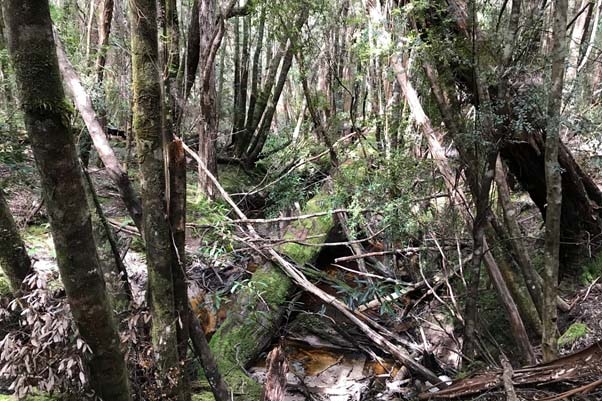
(300,200)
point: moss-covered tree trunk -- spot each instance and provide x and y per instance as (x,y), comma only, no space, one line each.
(254,320)
(14,261)
(147,124)
(46,113)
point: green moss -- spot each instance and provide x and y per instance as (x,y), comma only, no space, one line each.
(236,341)
(5,290)
(204,396)
(572,334)
(38,239)
(315,230)
(592,269)
(234,178)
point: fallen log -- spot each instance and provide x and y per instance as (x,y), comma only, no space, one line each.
(579,365)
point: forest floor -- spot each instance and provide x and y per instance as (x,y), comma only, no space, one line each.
(328,358)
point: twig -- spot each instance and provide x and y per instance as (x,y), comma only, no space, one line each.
(382,253)
(372,275)
(293,218)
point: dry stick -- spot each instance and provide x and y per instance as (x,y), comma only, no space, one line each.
(582,389)
(299,278)
(371,275)
(293,218)
(381,253)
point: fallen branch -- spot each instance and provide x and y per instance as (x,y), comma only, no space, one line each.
(299,278)
(581,364)
(293,218)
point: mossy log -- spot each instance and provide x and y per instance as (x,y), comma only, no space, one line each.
(256,315)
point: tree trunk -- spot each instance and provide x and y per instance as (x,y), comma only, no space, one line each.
(103,38)
(113,167)
(43,102)
(553,184)
(147,125)
(188,69)
(109,257)
(532,281)
(14,261)
(211,36)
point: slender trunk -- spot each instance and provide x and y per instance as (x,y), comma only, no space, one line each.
(109,258)
(188,70)
(103,38)
(532,281)
(84,105)
(243,138)
(577,38)
(147,127)
(211,37)
(14,261)
(219,388)
(261,133)
(237,110)
(553,184)
(43,102)
(315,116)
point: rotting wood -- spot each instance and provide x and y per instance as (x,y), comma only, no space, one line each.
(579,365)
(275,384)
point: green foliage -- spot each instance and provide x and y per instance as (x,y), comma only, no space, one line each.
(13,145)
(592,270)
(391,186)
(5,290)
(572,334)
(316,230)
(209,223)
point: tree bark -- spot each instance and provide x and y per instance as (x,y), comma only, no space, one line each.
(113,167)
(109,257)
(46,114)
(147,125)
(103,38)
(14,261)
(532,281)
(211,37)
(553,184)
